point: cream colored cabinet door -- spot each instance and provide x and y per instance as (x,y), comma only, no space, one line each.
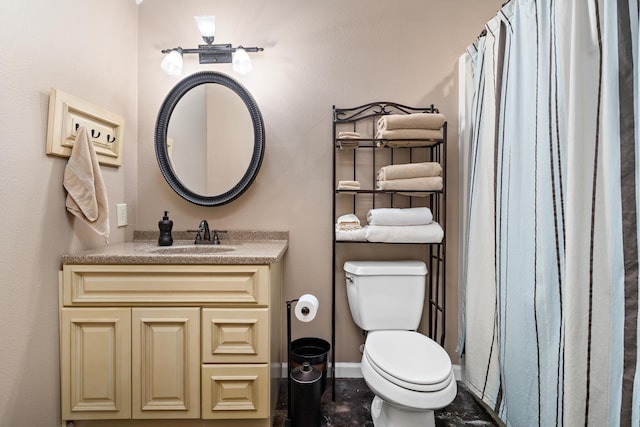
(165,360)
(95,352)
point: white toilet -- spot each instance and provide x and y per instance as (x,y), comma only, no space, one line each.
(409,373)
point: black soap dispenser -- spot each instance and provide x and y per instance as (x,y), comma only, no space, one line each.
(165,227)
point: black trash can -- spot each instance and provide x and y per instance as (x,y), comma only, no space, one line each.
(305,396)
(312,350)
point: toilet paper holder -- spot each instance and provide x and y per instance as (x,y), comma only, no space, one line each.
(305,311)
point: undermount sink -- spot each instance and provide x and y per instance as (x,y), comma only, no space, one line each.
(191,249)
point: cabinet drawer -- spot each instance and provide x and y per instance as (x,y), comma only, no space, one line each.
(93,285)
(235,391)
(235,335)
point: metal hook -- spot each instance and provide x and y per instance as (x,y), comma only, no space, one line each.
(95,136)
(77,126)
(111,139)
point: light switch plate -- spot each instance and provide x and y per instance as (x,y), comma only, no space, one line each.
(121,212)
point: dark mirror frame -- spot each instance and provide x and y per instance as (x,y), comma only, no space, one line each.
(162,124)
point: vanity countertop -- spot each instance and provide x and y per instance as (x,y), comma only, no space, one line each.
(237,247)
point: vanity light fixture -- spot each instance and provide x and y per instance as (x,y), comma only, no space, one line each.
(209,53)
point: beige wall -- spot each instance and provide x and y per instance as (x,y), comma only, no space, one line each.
(88,49)
(317,54)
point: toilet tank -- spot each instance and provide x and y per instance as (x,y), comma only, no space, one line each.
(386,295)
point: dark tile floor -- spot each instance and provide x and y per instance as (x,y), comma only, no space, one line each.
(353,401)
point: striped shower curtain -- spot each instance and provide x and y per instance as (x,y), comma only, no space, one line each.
(550,166)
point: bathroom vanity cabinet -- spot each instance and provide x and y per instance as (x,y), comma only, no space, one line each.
(358,154)
(190,342)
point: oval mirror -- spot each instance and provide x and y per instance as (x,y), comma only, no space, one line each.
(209,139)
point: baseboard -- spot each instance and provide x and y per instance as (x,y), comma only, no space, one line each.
(352,370)
(457,372)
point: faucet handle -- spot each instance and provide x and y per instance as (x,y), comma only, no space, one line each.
(216,237)
(198,235)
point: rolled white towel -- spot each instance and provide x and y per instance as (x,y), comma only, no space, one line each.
(430,233)
(411,121)
(409,170)
(348,222)
(355,235)
(399,216)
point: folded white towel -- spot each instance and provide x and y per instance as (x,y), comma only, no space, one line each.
(355,235)
(348,135)
(400,216)
(348,185)
(411,121)
(348,144)
(86,193)
(430,233)
(348,222)
(404,134)
(407,143)
(409,170)
(430,183)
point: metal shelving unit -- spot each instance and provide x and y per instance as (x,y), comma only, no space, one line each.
(363,161)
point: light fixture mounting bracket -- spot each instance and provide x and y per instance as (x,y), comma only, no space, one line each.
(215,54)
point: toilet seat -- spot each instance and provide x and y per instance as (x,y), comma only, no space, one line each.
(408,359)
(403,397)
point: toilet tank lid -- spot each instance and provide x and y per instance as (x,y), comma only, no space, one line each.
(386,268)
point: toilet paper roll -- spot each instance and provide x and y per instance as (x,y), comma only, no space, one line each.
(306,308)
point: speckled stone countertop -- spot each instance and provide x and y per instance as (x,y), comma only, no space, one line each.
(236,247)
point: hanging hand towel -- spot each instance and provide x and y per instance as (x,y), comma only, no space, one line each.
(409,170)
(400,216)
(86,193)
(411,121)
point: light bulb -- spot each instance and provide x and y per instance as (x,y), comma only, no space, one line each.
(241,61)
(172,63)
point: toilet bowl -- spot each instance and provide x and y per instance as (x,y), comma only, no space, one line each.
(409,373)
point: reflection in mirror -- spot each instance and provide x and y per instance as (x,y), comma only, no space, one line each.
(210,139)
